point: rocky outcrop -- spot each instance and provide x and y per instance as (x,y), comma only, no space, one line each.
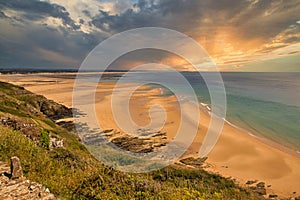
(146,140)
(68,125)
(13,186)
(26,127)
(53,110)
(56,143)
(17,98)
(30,130)
(259,188)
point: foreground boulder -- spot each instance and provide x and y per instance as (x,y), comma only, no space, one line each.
(15,168)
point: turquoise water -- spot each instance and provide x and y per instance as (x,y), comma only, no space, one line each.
(266,104)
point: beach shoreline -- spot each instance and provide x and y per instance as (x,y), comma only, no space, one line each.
(260,138)
(266,141)
(263,160)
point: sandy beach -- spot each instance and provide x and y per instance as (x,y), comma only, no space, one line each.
(237,154)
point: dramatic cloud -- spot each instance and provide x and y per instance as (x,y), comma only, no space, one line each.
(36,10)
(55,33)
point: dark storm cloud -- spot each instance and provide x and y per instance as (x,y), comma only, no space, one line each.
(176,14)
(250,19)
(169,14)
(41,46)
(36,10)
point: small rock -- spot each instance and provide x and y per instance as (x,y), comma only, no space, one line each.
(31,187)
(253,188)
(47,190)
(260,185)
(273,195)
(250,182)
(258,190)
(15,168)
(261,191)
(55,143)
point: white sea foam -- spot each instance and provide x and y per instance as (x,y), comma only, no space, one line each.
(206,106)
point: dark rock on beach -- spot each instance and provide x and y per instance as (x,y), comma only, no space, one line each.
(259,188)
(143,142)
(194,162)
(250,182)
(133,144)
(260,191)
(273,196)
(260,185)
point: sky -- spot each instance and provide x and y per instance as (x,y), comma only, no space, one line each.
(239,35)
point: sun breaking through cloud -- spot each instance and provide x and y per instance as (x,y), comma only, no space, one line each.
(239,35)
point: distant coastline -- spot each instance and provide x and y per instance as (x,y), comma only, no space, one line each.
(35,71)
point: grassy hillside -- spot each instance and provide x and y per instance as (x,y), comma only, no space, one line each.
(26,126)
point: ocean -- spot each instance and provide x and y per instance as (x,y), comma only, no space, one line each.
(266,104)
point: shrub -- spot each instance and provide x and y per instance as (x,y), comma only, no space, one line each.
(45,139)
